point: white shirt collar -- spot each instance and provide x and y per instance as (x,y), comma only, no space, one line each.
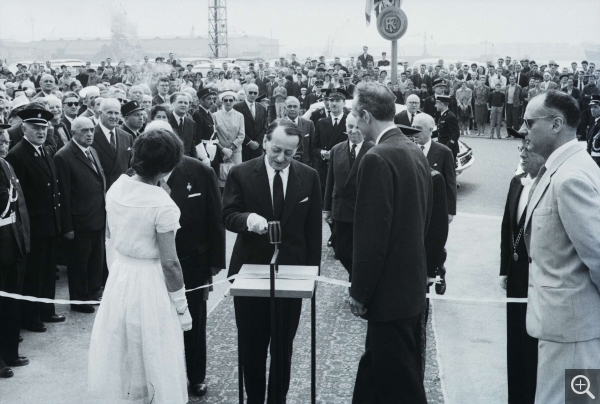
(338,117)
(166,177)
(393,126)
(106,131)
(177,117)
(427,147)
(249,104)
(271,174)
(358,146)
(83,149)
(556,153)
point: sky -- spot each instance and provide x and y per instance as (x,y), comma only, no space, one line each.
(307,24)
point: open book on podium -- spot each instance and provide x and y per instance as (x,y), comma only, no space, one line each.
(292,281)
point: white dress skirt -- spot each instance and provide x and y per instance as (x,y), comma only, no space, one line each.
(136,351)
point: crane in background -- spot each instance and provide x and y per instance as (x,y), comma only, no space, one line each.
(217,27)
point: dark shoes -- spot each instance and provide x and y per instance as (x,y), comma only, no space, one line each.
(34,327)
(440,287)
(54,319)
(199,389)
(6,372)
(82,308)
(20,361)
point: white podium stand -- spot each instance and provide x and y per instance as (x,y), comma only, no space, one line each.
(291,281)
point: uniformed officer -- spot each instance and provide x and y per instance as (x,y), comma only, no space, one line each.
(448,131)
(14,246)
(439,87)
(593,135)
(35,170)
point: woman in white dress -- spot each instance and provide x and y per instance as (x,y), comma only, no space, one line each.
(230,128)
(136,350)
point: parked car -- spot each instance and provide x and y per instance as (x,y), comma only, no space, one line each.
(464,159)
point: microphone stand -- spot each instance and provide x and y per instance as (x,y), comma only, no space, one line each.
(274,232)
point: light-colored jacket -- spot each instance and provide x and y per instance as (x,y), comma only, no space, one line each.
(562,234)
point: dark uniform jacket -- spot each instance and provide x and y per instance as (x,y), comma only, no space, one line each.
(39,182)
(326,136)
(187,134)
(437,231)
(14,238)
(440,159)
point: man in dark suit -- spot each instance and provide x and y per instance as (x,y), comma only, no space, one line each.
(323,112)
(407,116)
(593,134)
(572,90)
(448,131)
(273,187)
(14,233)
(315,94)
(441,160)
(35,170)
(205,125)
(70,104)
(422,78)
(292,107)
(340,190)
(440,86)
(389,272)
(82,76)
(255,123)
(270,87)
(112,144)
(82,189)
(133,118)
(521,349)
(365,57)
(329,132)
(182,124)
(162,86)
(200,246)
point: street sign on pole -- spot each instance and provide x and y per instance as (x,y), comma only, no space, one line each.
(392,24)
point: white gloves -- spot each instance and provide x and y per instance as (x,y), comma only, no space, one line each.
(257,224)
(179,300)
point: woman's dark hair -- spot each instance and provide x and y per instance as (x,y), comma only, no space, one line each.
(156,109)
(156,151)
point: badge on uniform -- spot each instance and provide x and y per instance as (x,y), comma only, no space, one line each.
(35,154)
(189,187)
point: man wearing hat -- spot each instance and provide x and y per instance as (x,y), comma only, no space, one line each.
(14,233)
(35,170)
(133,118)
(315,93)
(329,131)
(589,90)
(429,104)
(82,189)
(324,112)
(448,131)
(593,134)
(521,349)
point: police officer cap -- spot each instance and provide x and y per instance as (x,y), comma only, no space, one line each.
(595,99)
(91,71)
(205,92)
(408,130)
(321,69)
(130,108)
(515,133)
(444,98)
(439,82)
(339,94)
(325,93)
(36,116)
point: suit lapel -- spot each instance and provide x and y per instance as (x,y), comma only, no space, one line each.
(292,193)
(81,156)
(37,157)
(432,155)
(263,190)
(545,180)
(247,111)
(100,139)
(514,203)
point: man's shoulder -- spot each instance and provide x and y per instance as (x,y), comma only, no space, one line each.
(440,148)
(239,105)
(304,170)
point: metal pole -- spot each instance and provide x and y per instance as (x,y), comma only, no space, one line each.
(240,371)
(394,61)
(274,336)
(313,348)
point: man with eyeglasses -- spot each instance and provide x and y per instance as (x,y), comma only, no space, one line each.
(521,349)
(562,238)
(255,123)
(407,116)
(70,103)
(82,189)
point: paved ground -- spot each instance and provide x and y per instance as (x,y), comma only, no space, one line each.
(470,338)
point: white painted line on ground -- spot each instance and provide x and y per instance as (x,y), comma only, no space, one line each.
(437,354)
(478,216)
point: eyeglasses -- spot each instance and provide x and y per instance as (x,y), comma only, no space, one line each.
(228,100)
(530,121)
(253,92)
(71,104)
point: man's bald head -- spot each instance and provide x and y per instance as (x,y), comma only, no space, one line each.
(413,102)
(81,122)
(82,129)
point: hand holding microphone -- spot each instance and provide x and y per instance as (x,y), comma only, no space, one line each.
(257,224)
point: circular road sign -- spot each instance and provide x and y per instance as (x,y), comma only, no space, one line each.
(392,23)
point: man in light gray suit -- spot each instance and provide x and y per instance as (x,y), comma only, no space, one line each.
(292,107)
(562,235)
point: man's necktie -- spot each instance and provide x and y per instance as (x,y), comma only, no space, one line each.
(180,124)
(252,111)
(423,149)
(335,123)
(536,182)
(278,197)
(113,140)
(412,117)
(352,154)
(88,154)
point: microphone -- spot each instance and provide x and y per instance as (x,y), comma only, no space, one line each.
(274,232)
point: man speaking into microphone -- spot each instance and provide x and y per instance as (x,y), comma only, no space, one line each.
(273,187)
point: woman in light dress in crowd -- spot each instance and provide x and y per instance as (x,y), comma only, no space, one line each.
(136,351)
(230,128)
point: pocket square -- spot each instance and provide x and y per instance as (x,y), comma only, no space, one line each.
(435,164)
(306,135)
(304,200)
(129,148)
(193,195)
